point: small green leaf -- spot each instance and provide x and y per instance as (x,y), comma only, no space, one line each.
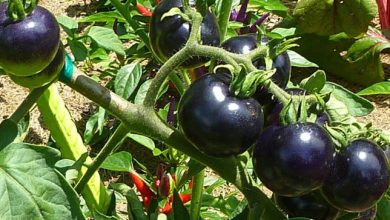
(94,124)
(141,94)
(179,210)
(144,141)
(8,132)
(299,61)
(68,24)
(383,209)
(315,82)
(357,106)
(106,38)
(110,16)
(127,79)
(382,88)
(121,162)
(135,208)
(79,51)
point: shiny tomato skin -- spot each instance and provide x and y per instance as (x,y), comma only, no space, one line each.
(311,206)
(295,159)
(170,34)
(360,177)
(215,121)
(29,45)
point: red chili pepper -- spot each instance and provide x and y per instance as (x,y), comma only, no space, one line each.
(167,208)
(143,188)
(185,197)
(144,11)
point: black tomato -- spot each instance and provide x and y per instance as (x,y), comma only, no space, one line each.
(311,206)
(29,45)
(295,159)
(169,35)
(243,44)
(359,179)
(215,121)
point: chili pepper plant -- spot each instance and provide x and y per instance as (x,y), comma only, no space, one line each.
(203,86)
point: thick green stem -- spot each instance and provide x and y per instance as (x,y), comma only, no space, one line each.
(115,139)
(27,103)
(224,16)
(197,191)
(133,24)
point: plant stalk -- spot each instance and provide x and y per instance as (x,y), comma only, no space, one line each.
(115,139)
(197,191)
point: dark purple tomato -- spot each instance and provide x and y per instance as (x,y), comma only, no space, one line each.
(294,159)
(169,35)
(360,177)
(311,206)
(387,152)
(29,45)
(215,121)
(243,44)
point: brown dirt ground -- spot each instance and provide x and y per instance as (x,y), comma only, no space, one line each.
(80,108)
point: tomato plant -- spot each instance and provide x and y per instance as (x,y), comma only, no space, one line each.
(317,159)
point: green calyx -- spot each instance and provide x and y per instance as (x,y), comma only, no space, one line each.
(18,10)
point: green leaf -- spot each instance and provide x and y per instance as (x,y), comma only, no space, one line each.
(79,51)
(383,209)
(69,25)
(143,140)
(382,88)
(121,162)
(94,124)
(315,82)
(299,61)
(329,17)
(134,206)
(141,94)
(127,79)
(271,5)
(8,132)
(366,47)
(329,54)
(357,106)
(33,188)
(179,210)
(106,17)
(107,39)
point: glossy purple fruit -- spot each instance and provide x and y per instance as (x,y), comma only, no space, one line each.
(294,159)
(311,206)
(29,45)
(170,34)
(215,121)
(360,177)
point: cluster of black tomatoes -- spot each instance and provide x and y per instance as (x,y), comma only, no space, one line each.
(294,160)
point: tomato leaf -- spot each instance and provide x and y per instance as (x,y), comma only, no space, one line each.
(34,189)
(357,106)
(121,162)
(107,39)
(315,82)
(107,16)
(299,61)
(329,17)
(382,88)
(127,79)
(383,209)
(69,25)
(362,65)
